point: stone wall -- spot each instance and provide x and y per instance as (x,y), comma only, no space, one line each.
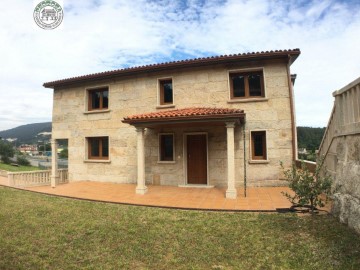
(343,163)
(197,87)
(341,149)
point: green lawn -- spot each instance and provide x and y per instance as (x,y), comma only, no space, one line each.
(44,232)
(11,168)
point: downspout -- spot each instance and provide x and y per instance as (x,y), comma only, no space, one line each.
(292,112)
(244,159)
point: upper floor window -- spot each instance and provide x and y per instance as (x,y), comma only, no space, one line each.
(166,92)
(247,84)
(98,99)
(258,145)
(98,147)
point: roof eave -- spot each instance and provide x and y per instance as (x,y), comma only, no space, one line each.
(291,54)
(238,117)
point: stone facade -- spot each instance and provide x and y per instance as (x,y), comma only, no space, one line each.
(206,86)
(346,176)
(341,149)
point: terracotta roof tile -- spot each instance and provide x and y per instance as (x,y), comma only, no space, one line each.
(185,113)
(293,53)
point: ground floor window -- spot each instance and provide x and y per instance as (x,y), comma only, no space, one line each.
(98,147)
(166,147)
(258,145)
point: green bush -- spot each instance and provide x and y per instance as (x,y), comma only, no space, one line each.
(64,153)
(5,159)
(308,186)
(22,160)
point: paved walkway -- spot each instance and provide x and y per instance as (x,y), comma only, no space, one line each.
(257,199)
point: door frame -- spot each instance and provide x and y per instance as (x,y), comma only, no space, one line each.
(186,134)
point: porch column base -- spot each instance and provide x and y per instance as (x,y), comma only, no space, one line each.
(231,194)
(54,181)
(141,190)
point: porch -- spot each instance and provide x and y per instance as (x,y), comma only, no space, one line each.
(200,160)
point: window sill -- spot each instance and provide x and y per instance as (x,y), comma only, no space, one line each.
(245,100)
(265,161)
(166,162)
(97,161)
(165,106)
(97,111)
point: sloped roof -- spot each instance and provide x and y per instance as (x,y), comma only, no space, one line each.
(292,54)
(187,114)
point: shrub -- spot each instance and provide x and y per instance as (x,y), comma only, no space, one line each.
(22,160)
(64,153)
(308,186)
(5,159)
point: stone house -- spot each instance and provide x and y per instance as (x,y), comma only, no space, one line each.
(215,121)
(340,148)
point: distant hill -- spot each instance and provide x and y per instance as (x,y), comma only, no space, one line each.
(28,134)
(309,138)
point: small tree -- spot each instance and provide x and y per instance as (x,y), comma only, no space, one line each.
(6,152)
(308,186)
(22,160)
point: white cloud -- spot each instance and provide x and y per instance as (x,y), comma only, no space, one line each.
(104,35)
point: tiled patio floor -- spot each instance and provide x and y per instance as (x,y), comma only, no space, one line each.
(258,198)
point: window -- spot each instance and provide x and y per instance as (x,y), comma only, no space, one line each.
(258,145)
(247,84)
(166,145)
(166,92)
(98,147)
(98,99)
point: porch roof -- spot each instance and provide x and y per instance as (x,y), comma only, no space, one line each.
(186,115)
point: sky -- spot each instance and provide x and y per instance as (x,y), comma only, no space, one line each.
(102,35)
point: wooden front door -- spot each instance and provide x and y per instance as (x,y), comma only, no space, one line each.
(196,159)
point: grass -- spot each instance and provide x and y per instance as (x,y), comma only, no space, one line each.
(44,232)
(10,168)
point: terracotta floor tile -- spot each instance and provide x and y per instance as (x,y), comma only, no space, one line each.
(264,198)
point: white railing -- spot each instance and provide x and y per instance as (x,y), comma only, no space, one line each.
(345,116)
(36,178)
(3,173)
(328,135)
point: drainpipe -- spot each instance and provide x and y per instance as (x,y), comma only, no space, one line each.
(292,111)
(244,160)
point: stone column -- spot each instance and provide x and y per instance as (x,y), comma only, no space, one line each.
(140,188)
(54,163)
(231,192)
